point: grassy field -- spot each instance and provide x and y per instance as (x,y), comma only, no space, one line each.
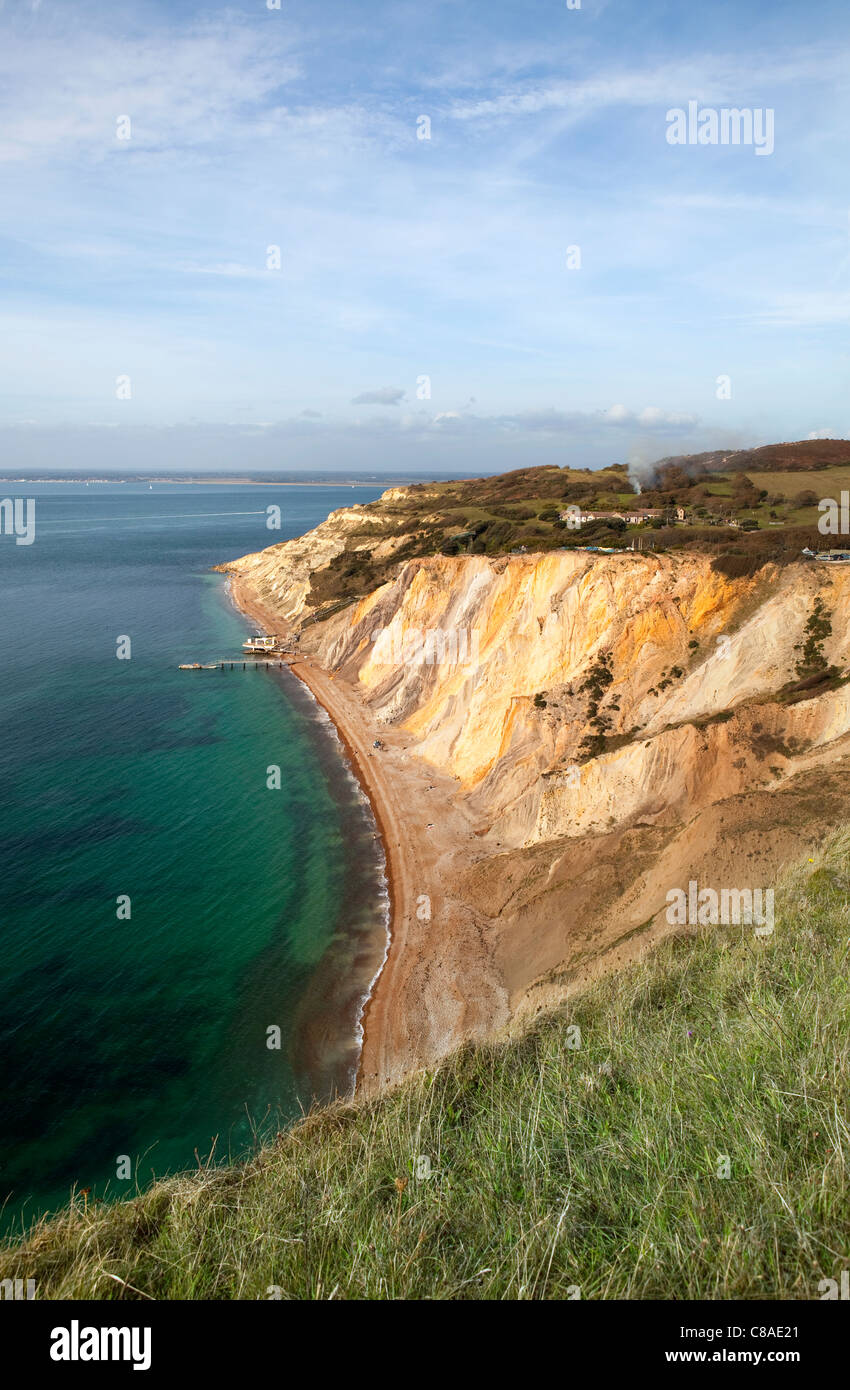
(826,482)
(542,1169)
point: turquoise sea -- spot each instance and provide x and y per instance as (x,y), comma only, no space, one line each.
(250,909)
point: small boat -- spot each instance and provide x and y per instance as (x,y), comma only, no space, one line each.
(190,666)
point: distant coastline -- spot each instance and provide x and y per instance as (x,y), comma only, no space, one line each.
(220,482)
(287,479)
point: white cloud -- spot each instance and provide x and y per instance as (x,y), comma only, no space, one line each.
(545,421)
(385,395)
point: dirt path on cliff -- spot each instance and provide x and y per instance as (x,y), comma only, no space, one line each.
(425,1002)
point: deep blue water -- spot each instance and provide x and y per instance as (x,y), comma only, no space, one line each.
(250,908)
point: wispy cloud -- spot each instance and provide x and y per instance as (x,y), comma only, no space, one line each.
(396,257)
(180,87)
(709,78)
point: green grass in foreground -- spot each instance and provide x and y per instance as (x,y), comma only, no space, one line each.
(554,1170)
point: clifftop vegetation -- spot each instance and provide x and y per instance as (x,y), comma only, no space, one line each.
(706,502)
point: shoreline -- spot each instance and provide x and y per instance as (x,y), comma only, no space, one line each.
(361,1024)
(315,679)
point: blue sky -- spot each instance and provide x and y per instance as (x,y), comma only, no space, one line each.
(403,258)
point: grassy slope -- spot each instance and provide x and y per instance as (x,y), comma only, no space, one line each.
(555,1168)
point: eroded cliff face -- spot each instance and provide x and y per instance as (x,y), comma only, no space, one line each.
(496,669)
(609,726)
(281,574)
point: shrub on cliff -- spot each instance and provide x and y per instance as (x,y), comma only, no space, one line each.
(739,564)
(818,628)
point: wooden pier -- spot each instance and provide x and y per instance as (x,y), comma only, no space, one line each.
(234,663)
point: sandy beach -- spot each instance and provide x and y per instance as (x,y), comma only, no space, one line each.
(429,840)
